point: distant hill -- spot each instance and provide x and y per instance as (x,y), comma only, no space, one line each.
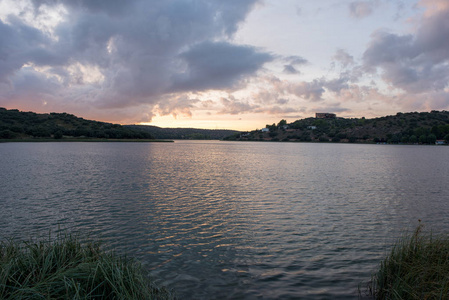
(15,124)
(405,128)
(184,133)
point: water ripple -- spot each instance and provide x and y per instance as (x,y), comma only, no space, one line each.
(219,220)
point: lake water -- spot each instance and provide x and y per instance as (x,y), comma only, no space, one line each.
(231,220)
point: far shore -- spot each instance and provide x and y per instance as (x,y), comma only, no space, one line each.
(28,140)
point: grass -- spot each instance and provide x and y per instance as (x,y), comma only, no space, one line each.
(416,268)
(66,268)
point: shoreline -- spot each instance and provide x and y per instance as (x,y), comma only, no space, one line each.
(44,140)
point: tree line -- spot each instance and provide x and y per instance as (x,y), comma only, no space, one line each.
(15,124)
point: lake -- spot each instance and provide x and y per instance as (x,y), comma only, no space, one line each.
(231,220)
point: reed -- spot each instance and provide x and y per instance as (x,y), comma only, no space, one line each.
(67,268)
(416,268)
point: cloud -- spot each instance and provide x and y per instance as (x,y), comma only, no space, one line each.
(336,85)
(361,9)
(175,106)
(19,42)
(312,90)
(292,62)
(221,65)
(233,106)
(331,107)
(289,69)
(125,54)
(414,63)
(343,58)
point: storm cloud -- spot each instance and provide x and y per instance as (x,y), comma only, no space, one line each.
(126,53)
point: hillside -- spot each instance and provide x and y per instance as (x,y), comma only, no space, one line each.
(184,133)
(15,124)
(406,128)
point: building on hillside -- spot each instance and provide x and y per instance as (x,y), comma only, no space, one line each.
(265,130)
(325,116)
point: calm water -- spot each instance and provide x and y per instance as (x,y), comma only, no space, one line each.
(229,220)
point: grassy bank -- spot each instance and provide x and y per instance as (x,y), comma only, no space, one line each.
(416,268)
(69,269)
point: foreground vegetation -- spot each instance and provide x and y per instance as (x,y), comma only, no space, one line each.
(416,268)
(402,128)
(69,269)
(15,124)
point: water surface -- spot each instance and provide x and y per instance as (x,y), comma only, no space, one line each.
(230,220)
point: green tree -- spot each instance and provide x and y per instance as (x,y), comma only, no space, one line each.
(282,123)
(272,127)
(7,134)
(396,138)
(446,138)
(58,134)
(431,138)
(423,139)
(413,139)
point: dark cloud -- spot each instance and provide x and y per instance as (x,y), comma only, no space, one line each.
(220,65)
(19,45)
(145,51)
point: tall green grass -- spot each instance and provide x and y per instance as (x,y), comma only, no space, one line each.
(416,268)
(66,268)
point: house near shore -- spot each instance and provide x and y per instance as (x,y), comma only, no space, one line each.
(325,116)
(440,142)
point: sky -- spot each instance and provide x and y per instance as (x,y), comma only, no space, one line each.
(223,64)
